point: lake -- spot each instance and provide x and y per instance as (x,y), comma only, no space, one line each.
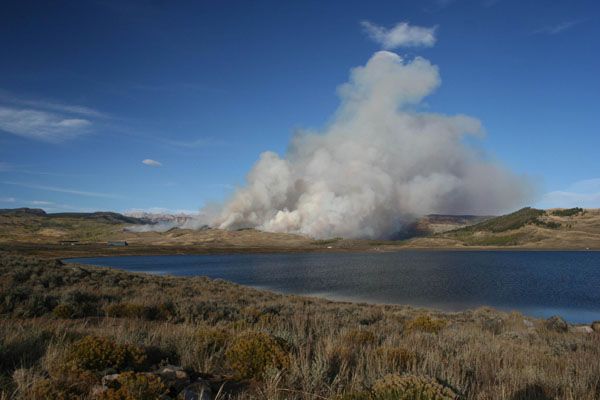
(537,283)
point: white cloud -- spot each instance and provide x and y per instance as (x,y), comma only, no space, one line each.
(401,35)
(585,193)
(151,163)
(40,203)
(7,199)
(556,29)
(63,190)
(41,125)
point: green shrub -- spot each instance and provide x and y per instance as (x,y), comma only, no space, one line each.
(36,305)
(81,304)
(403,387)
(64,311)
(409,387)
(547,224)
(212,340)
(124,310)
(163,311)
(567,212)
(98,354)
(425,323)
(13,297)
(251,354)
(69,385)
(136,386)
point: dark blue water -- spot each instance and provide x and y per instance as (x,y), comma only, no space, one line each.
(536,283)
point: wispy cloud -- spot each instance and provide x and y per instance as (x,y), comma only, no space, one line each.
(41,125)
(9,98)
(152,163)
(7,199)
(585,193)
(44,120)
(63,190)
(193,144)
(440,5)
(40,203)
(401,35)
(558,28)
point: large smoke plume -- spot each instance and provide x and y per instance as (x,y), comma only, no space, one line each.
(378,164)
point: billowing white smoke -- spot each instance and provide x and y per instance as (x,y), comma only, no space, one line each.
(378,164)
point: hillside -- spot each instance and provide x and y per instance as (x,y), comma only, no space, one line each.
(437,223)
(35,232)
(78,234)
(574,228)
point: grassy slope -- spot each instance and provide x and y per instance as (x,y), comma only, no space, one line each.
(526,228)
(333,348)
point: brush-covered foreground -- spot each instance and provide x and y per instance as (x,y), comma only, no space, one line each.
(79,332)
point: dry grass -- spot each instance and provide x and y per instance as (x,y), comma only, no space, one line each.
(527,228)
(296,348)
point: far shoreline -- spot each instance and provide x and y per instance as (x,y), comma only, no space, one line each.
(57,251)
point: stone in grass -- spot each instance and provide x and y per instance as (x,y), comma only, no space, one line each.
(582,329)
(174,377)
(556,324)
(110,381)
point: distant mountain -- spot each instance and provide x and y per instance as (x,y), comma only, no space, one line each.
(22,211)
(101,216)
(156,218)
(105,216)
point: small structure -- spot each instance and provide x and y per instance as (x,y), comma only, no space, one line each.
(68,242)
(118,244)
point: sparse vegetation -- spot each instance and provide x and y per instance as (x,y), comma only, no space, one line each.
(507,222)
(260,345)
(568,212)
(323,242)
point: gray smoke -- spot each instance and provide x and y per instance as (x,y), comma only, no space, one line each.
(379,163)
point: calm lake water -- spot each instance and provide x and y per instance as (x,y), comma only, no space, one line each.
(536,283)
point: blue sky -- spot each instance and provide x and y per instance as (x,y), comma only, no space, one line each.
(91,89)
